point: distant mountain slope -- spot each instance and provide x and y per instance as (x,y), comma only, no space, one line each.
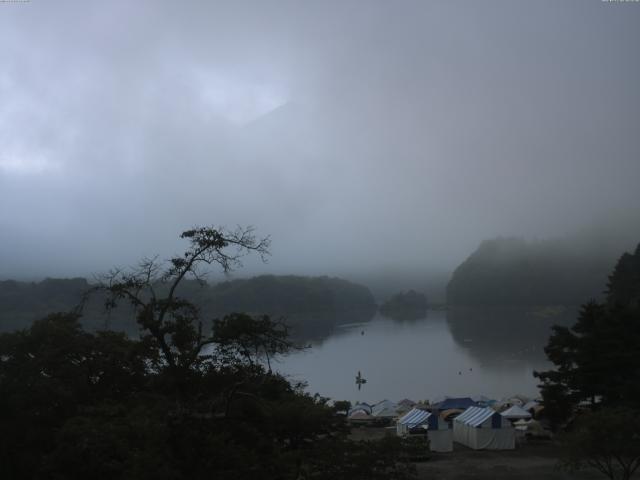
(514,272)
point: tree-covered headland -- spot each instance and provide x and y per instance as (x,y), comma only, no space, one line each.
(518,273)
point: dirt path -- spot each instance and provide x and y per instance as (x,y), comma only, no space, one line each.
(531,462)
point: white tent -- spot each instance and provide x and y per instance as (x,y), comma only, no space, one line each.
(483,428)
(438,431)
(360,417)
(515,413)
(385,409)
(365,407)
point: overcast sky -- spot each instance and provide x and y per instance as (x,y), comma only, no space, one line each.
(360,135)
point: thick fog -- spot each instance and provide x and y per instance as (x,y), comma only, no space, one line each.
(362,136)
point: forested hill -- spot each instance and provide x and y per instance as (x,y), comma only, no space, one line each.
(312,305)
(514,272)
(282,295)
(23,302)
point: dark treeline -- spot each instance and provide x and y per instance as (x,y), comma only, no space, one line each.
(514,272)
(290,294)
(23,302)
(410,305)
(312,306)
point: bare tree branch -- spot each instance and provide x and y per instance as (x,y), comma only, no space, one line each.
(174,323)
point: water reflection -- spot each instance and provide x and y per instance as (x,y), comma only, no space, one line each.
(506,334)
(460,352)
(317,327)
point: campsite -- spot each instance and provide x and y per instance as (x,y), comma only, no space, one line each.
(530,457)
(471,441)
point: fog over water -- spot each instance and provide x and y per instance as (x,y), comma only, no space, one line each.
(362,136)
(427,358)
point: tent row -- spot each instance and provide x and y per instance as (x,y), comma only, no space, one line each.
(386,409)
(514,408)
(470,422)
(479,428)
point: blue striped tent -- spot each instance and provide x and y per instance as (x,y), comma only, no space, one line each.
(438,432)
(415,418)
(483,428)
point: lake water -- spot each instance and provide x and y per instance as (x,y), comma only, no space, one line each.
(455,353)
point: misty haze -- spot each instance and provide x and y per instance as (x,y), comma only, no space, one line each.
(284,239)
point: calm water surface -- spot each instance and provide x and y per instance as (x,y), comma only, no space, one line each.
(460,353)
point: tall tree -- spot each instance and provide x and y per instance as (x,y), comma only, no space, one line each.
(597,360)
(624,282)
(597,365)
(165,319)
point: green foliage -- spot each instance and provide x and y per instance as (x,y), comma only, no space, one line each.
(416,447)
(342,405)
(606,440)
(48,374)
(251,338)
(82,405)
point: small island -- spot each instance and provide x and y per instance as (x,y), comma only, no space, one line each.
(409,305)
